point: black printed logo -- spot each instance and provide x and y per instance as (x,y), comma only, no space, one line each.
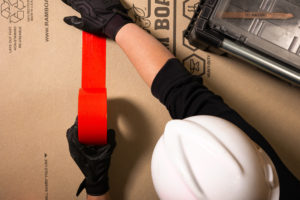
(13,10)
(139,16)
(195,64)
(189,7)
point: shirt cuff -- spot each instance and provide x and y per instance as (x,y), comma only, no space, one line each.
(168,74)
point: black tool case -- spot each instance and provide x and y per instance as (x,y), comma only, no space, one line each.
(263,32)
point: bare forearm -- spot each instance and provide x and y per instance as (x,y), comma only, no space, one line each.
(146,53)
(102,197)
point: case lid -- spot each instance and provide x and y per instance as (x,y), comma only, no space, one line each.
(270,26)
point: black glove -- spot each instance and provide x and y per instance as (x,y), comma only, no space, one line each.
(98,16)
(92,160)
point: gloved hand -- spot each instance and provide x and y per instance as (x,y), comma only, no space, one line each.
(92,160)
(98,16)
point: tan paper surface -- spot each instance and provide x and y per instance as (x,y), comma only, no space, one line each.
(40,70)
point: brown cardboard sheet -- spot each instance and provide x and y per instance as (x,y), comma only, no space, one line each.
(40,70)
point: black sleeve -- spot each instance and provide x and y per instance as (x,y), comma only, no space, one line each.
(184,95)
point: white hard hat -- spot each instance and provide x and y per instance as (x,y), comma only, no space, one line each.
(208,158)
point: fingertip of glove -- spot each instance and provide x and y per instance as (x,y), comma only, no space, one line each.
(68,20)
(74,21)
(66,2)
(72,130)
(69,133)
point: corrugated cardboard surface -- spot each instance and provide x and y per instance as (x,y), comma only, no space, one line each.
(40,70)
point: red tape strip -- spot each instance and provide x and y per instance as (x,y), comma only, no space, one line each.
(92,101)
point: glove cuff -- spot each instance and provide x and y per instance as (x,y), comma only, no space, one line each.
(115,24)
(97,189)
(93,189)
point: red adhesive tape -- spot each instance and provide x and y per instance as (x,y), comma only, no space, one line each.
(92,100)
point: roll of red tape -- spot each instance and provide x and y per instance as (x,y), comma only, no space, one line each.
(92,100)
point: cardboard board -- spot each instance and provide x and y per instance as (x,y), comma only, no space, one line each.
(40,70)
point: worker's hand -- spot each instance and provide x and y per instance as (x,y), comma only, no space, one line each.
(92,160)
(99,17)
